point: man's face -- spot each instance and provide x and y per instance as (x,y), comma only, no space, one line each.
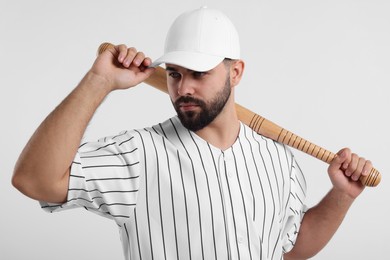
(198,97)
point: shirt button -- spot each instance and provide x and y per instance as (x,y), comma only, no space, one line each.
(240,239)
(230,174)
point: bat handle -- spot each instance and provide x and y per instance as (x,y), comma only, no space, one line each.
(288,138)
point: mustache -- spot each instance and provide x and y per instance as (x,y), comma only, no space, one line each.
(189,99)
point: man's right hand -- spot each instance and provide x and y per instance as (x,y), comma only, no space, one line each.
(122,67)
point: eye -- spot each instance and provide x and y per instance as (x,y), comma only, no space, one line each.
(174,75)
(199,74)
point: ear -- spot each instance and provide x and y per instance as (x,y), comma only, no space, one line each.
(236,71)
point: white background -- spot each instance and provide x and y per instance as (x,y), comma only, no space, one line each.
(318,68)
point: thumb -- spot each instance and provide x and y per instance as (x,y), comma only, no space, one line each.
(146,73)
(341,160)
(149,71)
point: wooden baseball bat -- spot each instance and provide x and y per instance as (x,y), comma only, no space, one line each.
(264,127)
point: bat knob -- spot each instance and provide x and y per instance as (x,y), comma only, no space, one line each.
(104,46)
(372,179)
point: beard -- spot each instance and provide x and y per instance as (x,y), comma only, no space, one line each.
(195,121)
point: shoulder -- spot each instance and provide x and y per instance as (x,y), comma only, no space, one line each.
(129,139)
(265,144)
(250,134)
(163,129)
(167,131)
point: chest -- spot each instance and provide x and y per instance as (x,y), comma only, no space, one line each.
(249,181)
(196,200)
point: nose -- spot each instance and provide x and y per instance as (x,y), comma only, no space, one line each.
(186,87)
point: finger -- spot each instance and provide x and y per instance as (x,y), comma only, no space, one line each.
(348,159)
(367,168)
(145,64)
(131,53)
(336,164)
(138,59)
(352,166)
(359,169)
(341,158)
(122,49)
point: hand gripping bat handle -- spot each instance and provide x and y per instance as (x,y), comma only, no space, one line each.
(271,130)
(264,127)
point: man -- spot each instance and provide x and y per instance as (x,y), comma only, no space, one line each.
(200,185)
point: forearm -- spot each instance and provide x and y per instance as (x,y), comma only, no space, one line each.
(46,159)
(42,171)
(319,224)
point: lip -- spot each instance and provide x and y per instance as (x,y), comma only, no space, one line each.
(188,106)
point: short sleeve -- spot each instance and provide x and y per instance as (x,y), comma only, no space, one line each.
(104,177)
(296,207)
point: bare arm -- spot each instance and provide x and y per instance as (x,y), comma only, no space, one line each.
(42,170)
(321,222)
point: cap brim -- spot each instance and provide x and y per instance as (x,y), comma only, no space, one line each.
(189,60)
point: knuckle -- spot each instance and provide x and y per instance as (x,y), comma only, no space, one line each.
(355,176)
(132,50)
(141,55)
(369,163)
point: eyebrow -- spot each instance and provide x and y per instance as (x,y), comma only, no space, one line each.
(170,68)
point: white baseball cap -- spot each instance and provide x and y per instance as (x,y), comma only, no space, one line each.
(199,40)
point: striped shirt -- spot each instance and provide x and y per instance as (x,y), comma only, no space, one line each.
(175,196)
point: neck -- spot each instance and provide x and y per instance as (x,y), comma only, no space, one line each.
(222,132)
